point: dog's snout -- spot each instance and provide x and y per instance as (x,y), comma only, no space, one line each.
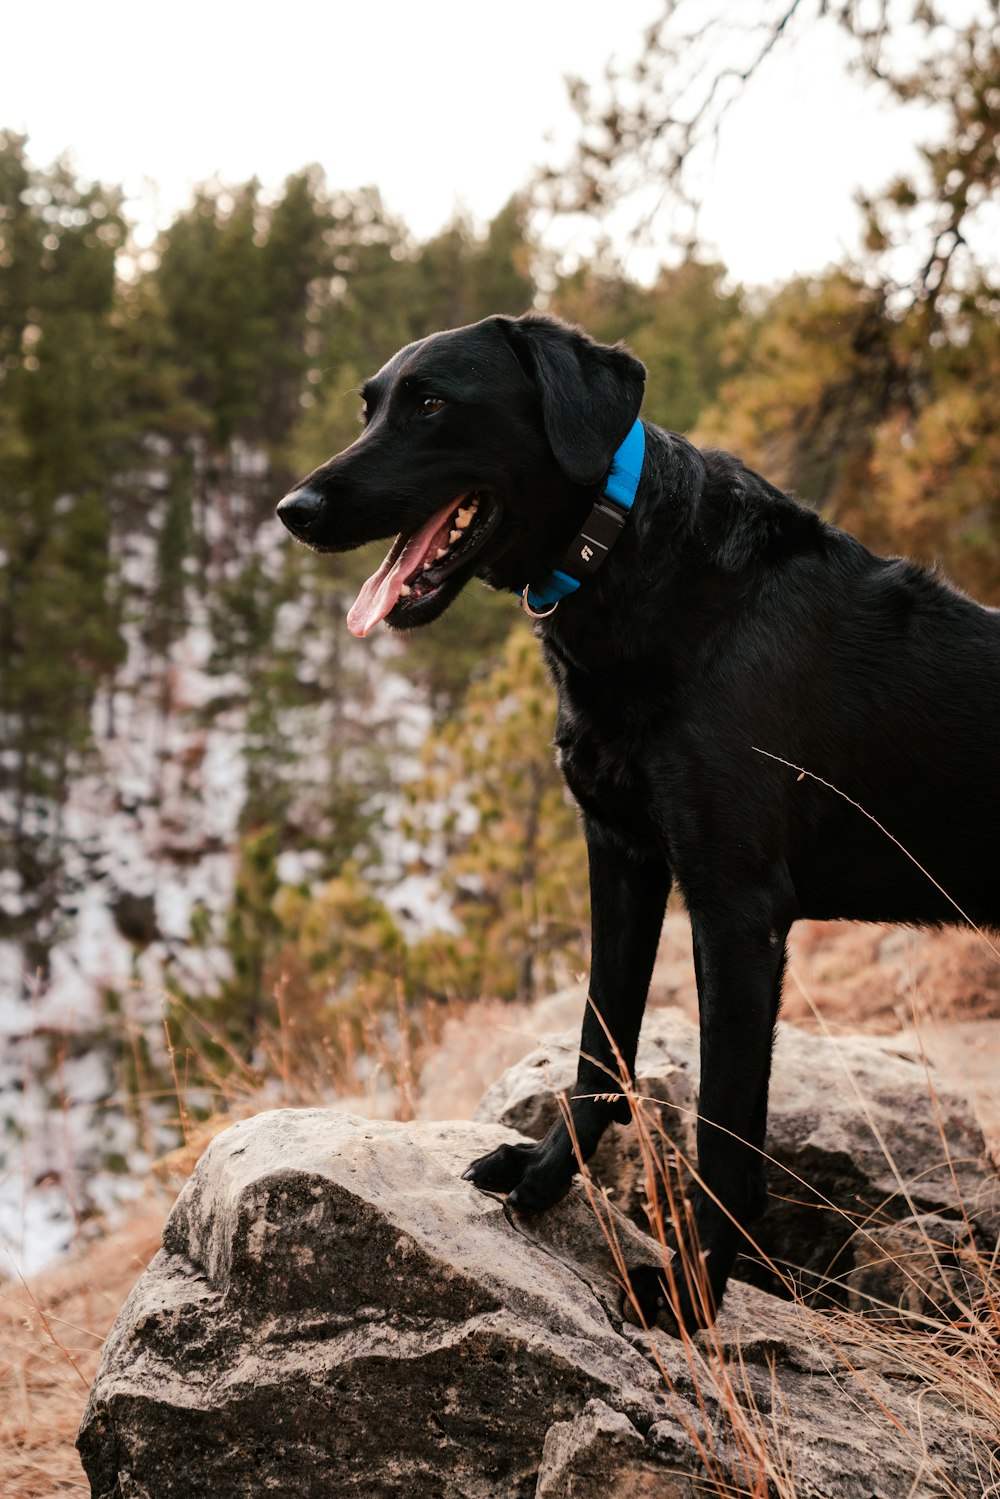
(299,509)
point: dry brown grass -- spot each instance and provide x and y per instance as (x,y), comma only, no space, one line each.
(951,1353)
(51,1330)
(871,977)
(863,978)
(859,978)
(52,1327)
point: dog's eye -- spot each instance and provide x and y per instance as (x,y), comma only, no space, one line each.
(431,405)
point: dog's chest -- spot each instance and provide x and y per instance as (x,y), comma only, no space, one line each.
(604,761)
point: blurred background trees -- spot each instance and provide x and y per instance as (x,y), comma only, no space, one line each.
(870,390)
(61,434)
(364,829)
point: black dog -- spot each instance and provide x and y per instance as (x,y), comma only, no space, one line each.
(727,626)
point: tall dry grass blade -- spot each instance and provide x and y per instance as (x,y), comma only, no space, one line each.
(43,1318)
(749,1429)
(904,1187)
(892,838)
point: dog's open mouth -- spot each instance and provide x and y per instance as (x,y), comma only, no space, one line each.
(419,565)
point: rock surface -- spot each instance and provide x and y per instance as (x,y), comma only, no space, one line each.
(334,1312)
(873,1164)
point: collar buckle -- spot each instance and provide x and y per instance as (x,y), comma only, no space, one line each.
(599,531)
(595,538)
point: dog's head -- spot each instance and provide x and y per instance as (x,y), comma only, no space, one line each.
(483,449)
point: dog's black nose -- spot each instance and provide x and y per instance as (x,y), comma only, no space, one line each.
(299,509)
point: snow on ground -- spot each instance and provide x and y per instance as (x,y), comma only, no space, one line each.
(154,820)
(151,827)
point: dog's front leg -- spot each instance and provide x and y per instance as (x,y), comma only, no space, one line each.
(627,901)
(739,953)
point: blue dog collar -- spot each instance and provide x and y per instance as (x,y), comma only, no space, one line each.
(599,532)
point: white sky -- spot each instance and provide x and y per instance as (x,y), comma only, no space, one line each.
(440,103)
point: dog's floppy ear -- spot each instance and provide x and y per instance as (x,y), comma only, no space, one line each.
(590,392)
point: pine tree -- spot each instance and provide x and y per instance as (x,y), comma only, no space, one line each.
(59,441)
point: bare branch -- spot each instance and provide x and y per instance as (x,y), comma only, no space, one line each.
(646,127)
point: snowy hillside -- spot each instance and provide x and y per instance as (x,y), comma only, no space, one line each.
(148,841)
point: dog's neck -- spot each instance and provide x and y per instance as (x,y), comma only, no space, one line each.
(599,531)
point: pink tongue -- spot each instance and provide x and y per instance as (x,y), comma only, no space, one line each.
(379,595)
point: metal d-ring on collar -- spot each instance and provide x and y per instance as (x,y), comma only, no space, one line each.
(535,613)
(599,532)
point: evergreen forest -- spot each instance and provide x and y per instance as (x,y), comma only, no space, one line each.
(235,842)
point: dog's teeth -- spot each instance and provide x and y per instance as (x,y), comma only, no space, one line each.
(441,552)
(454,535)
(464,516)
(405,591)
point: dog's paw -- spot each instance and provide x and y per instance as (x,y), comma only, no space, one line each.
(649,1300)
(535,1177)
(501,1169)
(646,1299)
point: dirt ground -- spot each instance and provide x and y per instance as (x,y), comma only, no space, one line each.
(939,992)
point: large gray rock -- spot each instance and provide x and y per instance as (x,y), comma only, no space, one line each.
(882,1195)
(335,1312)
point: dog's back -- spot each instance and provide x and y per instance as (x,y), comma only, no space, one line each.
(882,680)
